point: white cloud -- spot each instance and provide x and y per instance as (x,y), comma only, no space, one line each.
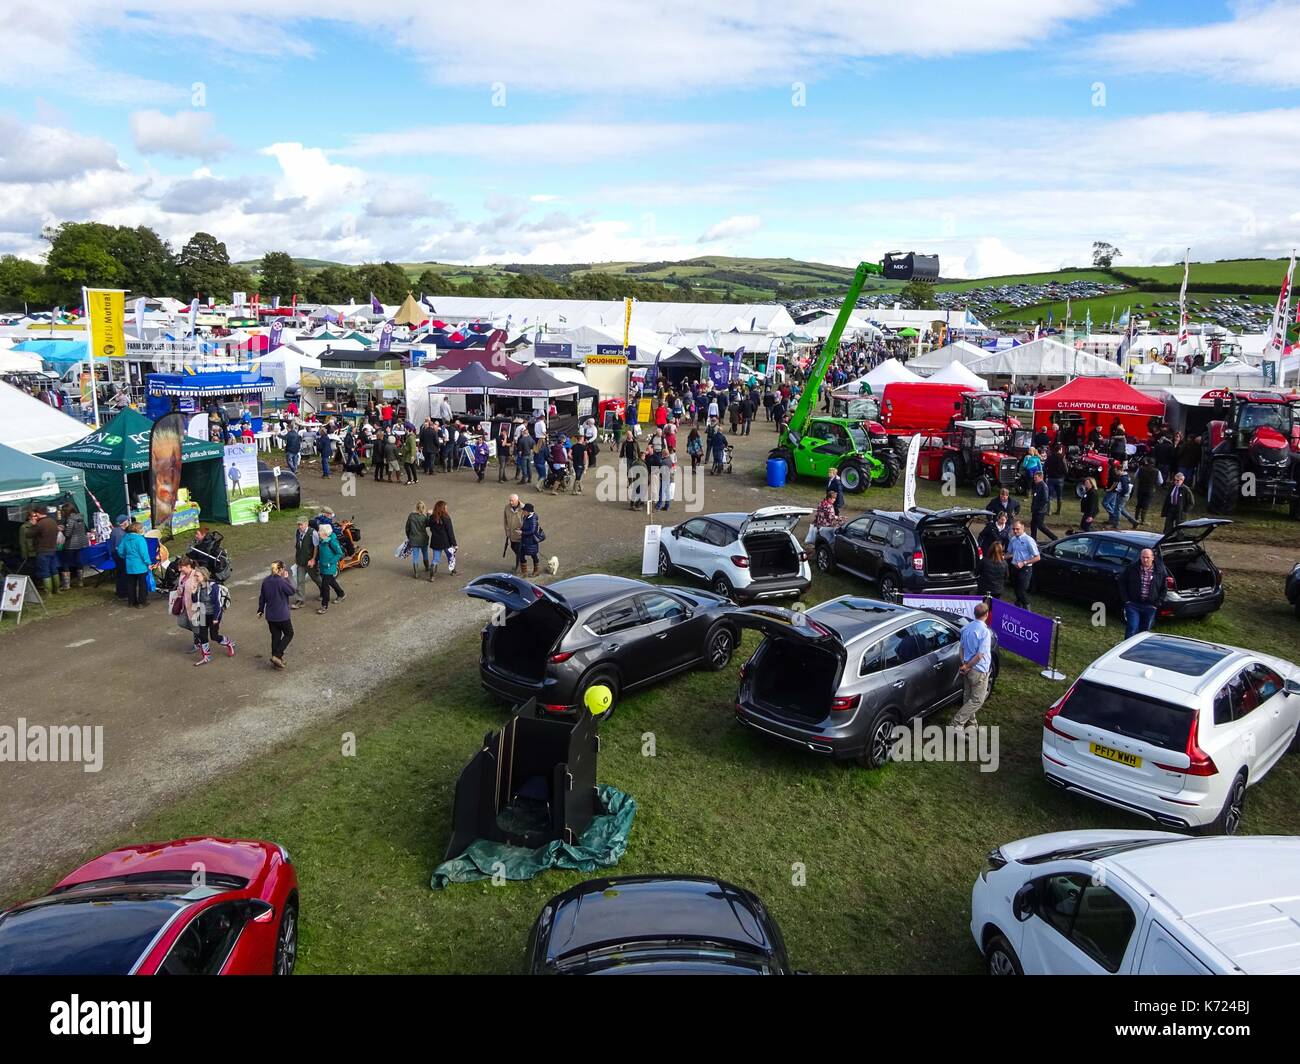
(738,225)
(35,153)
(554,140)
(307,173)
(181,134)
(1256,46)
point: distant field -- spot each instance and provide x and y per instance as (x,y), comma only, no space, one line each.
(1246,271)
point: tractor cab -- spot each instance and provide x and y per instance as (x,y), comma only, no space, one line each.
(979,453)
(987,406)
(864,408)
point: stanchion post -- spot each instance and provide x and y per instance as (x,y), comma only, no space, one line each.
(1052,673)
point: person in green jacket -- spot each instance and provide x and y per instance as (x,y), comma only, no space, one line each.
(408,457)
(417,537)
(326,563)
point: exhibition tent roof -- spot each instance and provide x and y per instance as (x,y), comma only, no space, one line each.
(27,478)
(887,372)
(1044,357)
(472,380)
(1099,395)
(961,351)
(410,312)
(474,356)
(30,425)
(958,373)
(534,382)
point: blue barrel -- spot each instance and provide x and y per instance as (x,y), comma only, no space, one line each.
(776,472)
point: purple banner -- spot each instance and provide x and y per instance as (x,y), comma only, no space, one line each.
(386,336)
(277,327)
(1020,632)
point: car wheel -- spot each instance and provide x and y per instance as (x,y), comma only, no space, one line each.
(1000,958)
(826,560)
(722,586)
(601,677)
(665,562)
(286,940)
(880,740)
(887,585)
(719,646)
(1229,820)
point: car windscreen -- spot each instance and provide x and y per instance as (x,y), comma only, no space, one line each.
(1131,715)
(96,936)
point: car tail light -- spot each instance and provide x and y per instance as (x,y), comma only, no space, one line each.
(918,561)
(561,658)
(740,561)
(744,671)
(1200,763)
(843,705)
(1054,710)
(979,553)
(556,709)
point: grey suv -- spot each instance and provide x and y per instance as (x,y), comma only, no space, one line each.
(841,677)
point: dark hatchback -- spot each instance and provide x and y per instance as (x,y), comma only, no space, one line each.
(909,550)
(1090,566)
(554,642)
(656,925)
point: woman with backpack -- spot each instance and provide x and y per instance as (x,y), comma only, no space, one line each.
(217,597)
(695,448)
(442,538)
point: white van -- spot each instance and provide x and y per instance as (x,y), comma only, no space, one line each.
(1140,903)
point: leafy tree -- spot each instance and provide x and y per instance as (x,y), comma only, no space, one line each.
(433,283)
(238,279)
(81,255)
(148,261)
(386,280)
(280,276)
(1103,254)
(204,266)
(920,295)
(328,285)
(22,284)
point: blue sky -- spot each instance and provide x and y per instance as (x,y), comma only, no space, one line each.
(1004,135)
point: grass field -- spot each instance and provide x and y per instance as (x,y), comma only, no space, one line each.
(1241,271)
(889,857)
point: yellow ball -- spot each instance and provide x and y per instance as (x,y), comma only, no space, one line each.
(598,699)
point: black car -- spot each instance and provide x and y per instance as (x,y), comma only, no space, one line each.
(1293,588)
(656,925)
(1089,566)
(290,489)
(553,643)
(839,678)
(913,550)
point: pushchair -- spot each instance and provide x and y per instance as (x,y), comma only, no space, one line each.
(558,477)
(217,564)
(726,462)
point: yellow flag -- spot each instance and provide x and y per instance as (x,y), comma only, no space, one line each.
(106,310)
(627,319)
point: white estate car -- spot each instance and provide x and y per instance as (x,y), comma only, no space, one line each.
(1140,903)
(1173,729)
(745,557)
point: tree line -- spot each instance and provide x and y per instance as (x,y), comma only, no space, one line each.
(95,255)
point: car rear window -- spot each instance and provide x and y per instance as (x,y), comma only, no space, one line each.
(1135,717)
(1183,656)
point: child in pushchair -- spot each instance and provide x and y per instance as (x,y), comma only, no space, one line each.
(215,560)
(723,460)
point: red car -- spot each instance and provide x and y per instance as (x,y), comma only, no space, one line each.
(199,906)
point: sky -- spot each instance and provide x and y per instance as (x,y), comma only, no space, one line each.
(1003,135)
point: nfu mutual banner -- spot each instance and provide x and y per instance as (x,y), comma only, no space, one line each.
(1020,632)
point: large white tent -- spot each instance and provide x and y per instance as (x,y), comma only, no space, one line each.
(1044,357)
(31,426)
(19,362)
(887,372)
(961,351)
(958,373)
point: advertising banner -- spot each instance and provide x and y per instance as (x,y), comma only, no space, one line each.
(107,311)
(1020,632)
(243,491)
(165,441)
(909,485)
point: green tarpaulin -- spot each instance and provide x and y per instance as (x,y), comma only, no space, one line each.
(26,478)
(602,845)
(119,450)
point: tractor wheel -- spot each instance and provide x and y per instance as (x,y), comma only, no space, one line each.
(950,472)
(1225,486)
(893,467)
(983,486)
(855,480)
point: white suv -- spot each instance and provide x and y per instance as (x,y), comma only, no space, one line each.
(745,557)
(1173,729)
(1139,903)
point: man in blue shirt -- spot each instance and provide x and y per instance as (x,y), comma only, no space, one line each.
(976,660)
(1024,555)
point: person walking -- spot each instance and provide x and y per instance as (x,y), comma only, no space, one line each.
(1148,479)
(442,538)
(695,448)
(578,455)
(325,448)
(1088,505)
(1055,469)
(194,602)
(1024,556)
(637,477)
(217,597)
(1121,487)
(530,533)
(1145,586)
(75,541)
(273,604)
(976,661)
(1178,503)
(46,541)
(503,451)
(1040,503)
(326,563)
(304,549)
(292,449)
(392,458)
(409,447)
(513,520)
(835,486)
(135,559)
(524,457)
(417,538)
(991,576)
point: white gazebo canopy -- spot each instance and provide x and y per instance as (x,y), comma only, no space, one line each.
(889,371)
(958,373)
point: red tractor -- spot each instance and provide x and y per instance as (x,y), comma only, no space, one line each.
(979,453)
(1251,450)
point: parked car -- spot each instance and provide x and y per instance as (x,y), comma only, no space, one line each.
(553,643)
(1173,729)
(1137,903)
(290,488)
(137,911)
(656,925)
(914,550)
(1090,566)
(1293,588)
(746,557)
(839,678)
